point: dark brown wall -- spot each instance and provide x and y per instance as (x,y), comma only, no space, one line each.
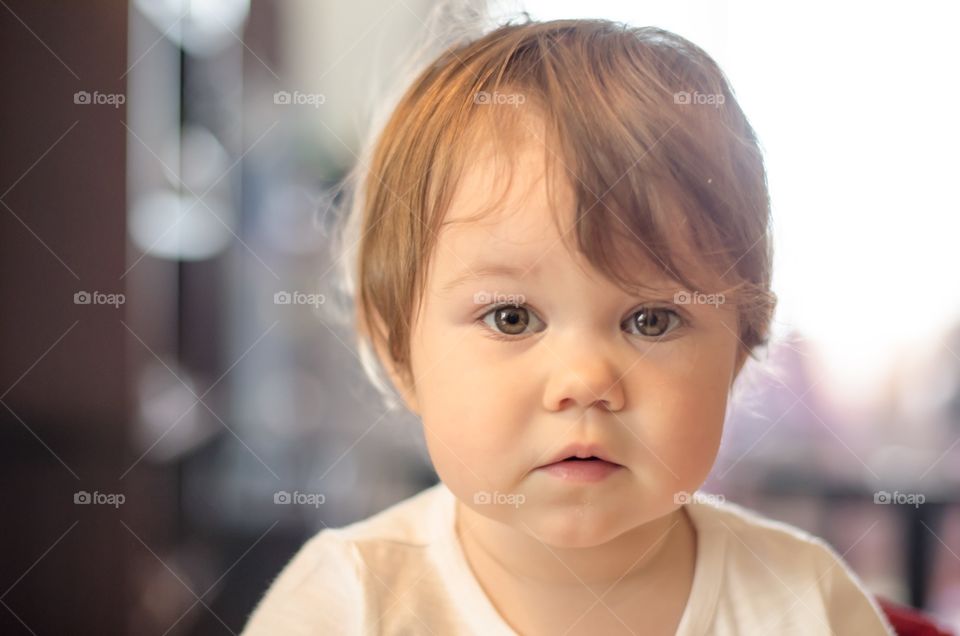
(64,417)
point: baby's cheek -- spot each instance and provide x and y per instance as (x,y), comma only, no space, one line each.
(467,461)
(453,459)
(688,431)
(471,436)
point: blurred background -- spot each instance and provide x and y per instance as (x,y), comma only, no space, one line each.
(169,383)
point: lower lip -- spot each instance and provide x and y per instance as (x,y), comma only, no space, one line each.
(582,471)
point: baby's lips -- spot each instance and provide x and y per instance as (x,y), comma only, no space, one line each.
(582,450)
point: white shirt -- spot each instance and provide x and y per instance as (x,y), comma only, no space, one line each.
(403,571)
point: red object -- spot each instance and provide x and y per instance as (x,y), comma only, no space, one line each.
(907,621)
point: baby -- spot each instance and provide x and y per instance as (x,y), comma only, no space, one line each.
(563,262)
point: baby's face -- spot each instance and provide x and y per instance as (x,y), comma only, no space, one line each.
(576,365)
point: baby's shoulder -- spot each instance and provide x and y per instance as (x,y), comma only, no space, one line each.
(320,589)
(751,539)
(752,530)
(777,564)
(334,579)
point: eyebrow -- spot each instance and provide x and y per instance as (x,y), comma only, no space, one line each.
(489,270)
(493,270)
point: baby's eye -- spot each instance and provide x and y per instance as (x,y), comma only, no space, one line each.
(510,320)
(653,321)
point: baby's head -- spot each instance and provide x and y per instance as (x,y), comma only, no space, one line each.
(563,239)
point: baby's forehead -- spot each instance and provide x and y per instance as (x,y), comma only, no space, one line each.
(513,224)
(502,193)
(502,202)
(524,242)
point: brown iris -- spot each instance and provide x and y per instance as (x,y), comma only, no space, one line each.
(652,321)
(513,320)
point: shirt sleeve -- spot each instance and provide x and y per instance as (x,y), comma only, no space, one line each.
(850,607)
(320,591)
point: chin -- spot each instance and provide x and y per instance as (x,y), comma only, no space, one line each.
(574,527)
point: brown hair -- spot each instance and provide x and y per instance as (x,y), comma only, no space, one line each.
(660,157)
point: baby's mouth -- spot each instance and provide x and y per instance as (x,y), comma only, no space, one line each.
(585,459)
(581,469)
(574,458)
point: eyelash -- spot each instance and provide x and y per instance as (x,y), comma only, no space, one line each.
(496,335)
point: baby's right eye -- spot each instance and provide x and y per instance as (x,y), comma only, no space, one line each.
(509,320)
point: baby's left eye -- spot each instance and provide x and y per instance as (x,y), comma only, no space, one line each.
(653,322)
(511,320)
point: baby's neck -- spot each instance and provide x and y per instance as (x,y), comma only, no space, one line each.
(641,554)
(642,579)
